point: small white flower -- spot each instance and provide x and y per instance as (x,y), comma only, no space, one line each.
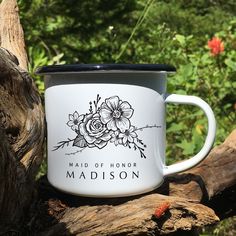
(128,136)
(74,120)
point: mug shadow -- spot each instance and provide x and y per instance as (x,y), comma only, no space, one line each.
(47,191)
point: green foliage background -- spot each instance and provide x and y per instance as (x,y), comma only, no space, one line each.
(136,31)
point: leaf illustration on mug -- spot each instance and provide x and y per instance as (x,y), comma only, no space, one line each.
(107,123)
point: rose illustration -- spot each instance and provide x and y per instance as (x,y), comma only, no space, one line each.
(94,131)
(115,114)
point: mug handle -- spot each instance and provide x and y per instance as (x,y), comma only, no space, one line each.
(187,164)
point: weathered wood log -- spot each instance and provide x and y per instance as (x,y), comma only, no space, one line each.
(134,217)
(22,136)
(11,32)
(22,115)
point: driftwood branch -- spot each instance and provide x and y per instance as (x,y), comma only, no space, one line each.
(22,136)
(127,217)
(11,32)
(134,217)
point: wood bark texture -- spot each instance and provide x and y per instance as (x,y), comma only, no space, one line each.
(11,32)
(131,217)
(21,125)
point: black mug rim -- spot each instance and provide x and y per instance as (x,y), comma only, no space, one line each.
(70,68)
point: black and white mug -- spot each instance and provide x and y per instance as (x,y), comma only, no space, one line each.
(106,128)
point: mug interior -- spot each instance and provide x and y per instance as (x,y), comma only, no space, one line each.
(151,80)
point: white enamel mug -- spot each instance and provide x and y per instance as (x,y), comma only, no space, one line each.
(106,128)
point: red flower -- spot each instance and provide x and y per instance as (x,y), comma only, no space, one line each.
(216,46)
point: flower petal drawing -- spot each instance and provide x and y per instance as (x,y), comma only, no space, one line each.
(123,124)
(112,102)
(83,132)
(106,115)
(70,123)
(106,137)
(76,115)
(133,135)
(115,138)
(126,109)
(101,144)
(124,140)
(111,125)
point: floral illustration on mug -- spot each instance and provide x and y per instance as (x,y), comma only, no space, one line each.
(109,122)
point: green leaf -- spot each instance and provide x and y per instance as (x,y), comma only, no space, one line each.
(175,127)
(188,147)
(187,70)
(181,39)
(230,64)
